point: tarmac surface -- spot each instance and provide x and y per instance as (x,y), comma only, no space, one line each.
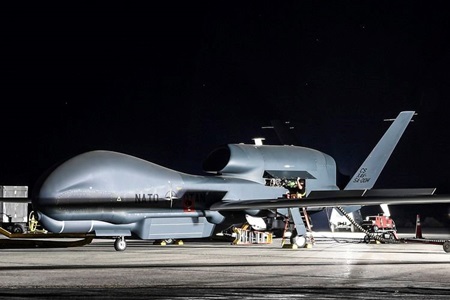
(338,266)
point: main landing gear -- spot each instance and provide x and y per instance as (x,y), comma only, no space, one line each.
(298,240)
(120,244)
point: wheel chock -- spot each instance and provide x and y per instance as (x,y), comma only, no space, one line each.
(290,246)
(179,242)
(161,243)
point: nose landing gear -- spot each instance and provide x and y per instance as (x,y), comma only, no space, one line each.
(120,244)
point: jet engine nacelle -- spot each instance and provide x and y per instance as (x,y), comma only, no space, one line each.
(254,162)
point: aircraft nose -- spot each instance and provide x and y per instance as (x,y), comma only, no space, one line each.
(67,181)
(99,176)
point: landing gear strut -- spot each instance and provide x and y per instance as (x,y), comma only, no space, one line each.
(120,244)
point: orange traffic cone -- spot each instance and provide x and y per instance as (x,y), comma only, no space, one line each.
(418,228)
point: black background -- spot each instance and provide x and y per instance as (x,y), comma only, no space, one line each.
(170,82)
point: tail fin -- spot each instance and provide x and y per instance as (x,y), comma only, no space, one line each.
(370,170)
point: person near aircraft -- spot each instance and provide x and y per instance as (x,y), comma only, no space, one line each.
(301,184)
(296,188)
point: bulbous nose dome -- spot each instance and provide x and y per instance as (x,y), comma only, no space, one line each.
(98,175)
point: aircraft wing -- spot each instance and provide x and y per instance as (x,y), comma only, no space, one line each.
(340,198)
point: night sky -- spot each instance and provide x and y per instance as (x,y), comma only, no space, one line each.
(169,83)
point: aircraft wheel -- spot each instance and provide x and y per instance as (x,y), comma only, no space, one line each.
(169,241)
(367,239)
(375,228)
(120,244)
(446,246)
(299,240)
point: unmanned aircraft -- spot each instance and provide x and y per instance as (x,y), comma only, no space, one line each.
(116,195)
